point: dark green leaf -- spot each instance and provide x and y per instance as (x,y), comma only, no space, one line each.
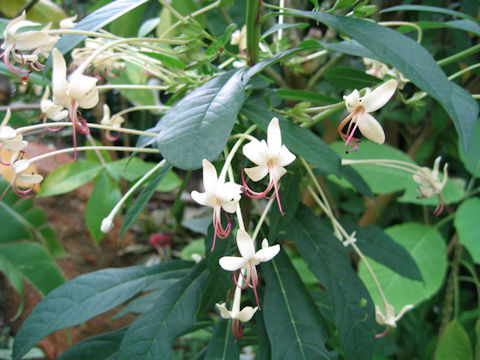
(104,197)
(96,20)
(87,296)
(328,259)
(137,207)
(18,227)
(472,159)
(104,346)
(198,126)
(262,65)
(376,244)
(465,25)
(349,47)
(350,78)
(277,27)
(151,335)
(294,325)
(413,61)
(300,141)
(305,95)
(356,180)
(434,9)
(223,345)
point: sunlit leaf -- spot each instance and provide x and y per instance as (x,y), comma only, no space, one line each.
(454,343)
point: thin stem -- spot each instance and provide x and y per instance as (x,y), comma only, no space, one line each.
(133,87)
(280,20)
(253,30)
(99,156)
(139,108)
(262,219)
(83,33)
(459,55)
(90,125)
(313,80)
(86,148)
(405,23)
(335,106)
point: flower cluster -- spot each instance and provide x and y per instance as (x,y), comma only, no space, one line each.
(430,183)
(270,157)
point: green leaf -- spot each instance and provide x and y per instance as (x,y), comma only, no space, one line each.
(354,178)
(13,275)
(68,177)
(104,197)
(349,47)
(434,9)
(33,77)
(380,179)
(277,27)
(350,78)
(413,61)
(376,244)
(466,25)
(35,264)
(305,95)
(299,140)
(472,159)
(454,343)
(427,248)
(18,227)
(328,259)
(136,208)
(152,334)
(198,126)
(103,346)
(87,296)
(294,324)
(477,336)
(94,21)
(466,223)
(223,345)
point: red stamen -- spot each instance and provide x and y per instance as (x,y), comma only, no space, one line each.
(387,330)
(109,136)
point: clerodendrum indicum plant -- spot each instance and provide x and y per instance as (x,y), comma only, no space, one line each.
(252,91)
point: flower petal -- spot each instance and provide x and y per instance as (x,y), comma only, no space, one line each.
(371,129)
(59,79)
(245,245)
(30,179)
(202,198)
(379,97)
(266,254)
(231,263)
(274,137)
(257,173)
(285,157)
(209,177)
(83,89)
(246,313)
(224,313)
(257,152)
(352,100)
(230,206)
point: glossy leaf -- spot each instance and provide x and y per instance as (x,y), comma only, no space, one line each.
(69,177)
(104,197)
(376,244)
(223,345)
(198,126)
(96,20)
(87,296)
(298,140)
(350,78)
(427,248)
(466,223)
(294,325)
(103,346)
(328,259)
(136,208)
(454,343)
(400,51)
(152,334)
(34,263)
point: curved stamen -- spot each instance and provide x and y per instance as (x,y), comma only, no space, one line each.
(387,330)
(245,284)
(277,195)
(111,137)
(253,194)
(254,281)
(219,230)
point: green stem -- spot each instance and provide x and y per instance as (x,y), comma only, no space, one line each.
(253,30)
(90,125)
(459,55)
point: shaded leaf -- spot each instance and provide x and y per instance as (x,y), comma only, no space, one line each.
(466,222)
(152,334)
(87,296)
(454,343)
(433,9)
(305,95)
(327,258)
(222,345)
(198,126)
(350,78)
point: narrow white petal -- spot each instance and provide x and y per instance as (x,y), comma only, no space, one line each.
(231,263)
(403,311)
(274,137)
(209,177)
(59,78)
(278,172)
(15,145)
(352,100)
(20,166)
(245,245)
(379,97)
(30,179)
(230,206)
(6,132)
(229,191)
(257,173)
(267,254)
(256,152)
(285,157)
(371,129)
(246,313)
(30,40)
(224,313)
(201,198)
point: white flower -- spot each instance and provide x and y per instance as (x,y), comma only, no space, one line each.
(115,121)
(26,40)
(360,108)
(375,68)
(389,319)
(430,183)
(9,137)
(239,37)
(80,91)
(218,195)
(20,168)
(249,259)
(50,109)
(68,22)
(270,157)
